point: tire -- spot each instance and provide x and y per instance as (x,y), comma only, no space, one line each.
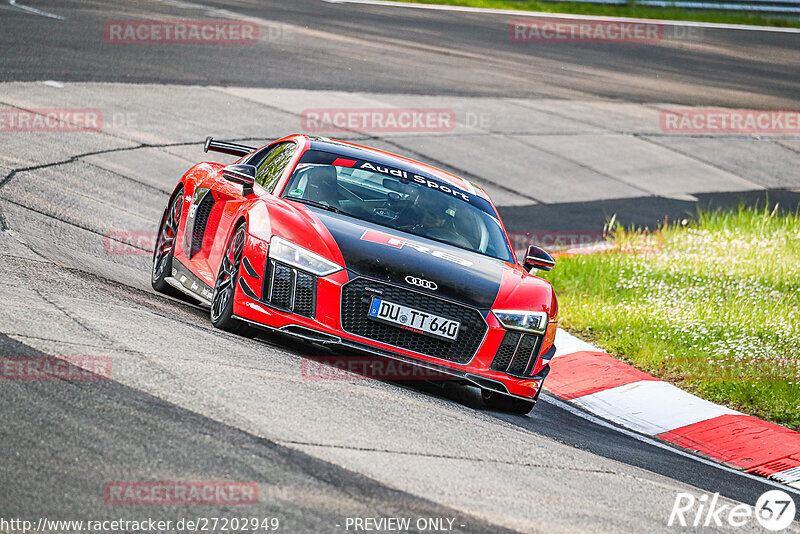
(506,403)
(165,247)
(225,288)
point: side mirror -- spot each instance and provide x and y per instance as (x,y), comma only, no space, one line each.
(241,174)
(537,258)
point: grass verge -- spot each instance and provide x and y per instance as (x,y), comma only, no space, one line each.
(627,10)
(711,305)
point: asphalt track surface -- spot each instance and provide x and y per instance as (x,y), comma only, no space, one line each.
(369,48)
(186,402)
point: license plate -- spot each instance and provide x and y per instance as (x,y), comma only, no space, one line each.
(412,319)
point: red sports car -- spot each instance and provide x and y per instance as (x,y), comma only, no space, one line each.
(357,248)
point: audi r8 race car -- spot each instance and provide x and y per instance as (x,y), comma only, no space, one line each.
(364,250)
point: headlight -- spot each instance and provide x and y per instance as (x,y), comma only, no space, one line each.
(534,322)
(295,255)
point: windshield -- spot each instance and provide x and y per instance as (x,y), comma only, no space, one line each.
(398,199)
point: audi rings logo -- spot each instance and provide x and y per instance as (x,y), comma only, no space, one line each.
(419,282)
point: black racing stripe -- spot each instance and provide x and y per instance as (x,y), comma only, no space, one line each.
(474,280)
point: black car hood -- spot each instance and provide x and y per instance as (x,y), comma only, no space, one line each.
(388,255)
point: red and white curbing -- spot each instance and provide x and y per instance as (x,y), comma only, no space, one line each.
(603,385)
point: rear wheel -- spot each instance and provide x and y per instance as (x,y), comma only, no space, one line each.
(165,247)
(225,288)
(506,403)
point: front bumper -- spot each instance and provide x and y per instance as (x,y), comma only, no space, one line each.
(478,366)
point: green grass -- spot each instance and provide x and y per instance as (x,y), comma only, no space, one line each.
(627,10)
(711,305)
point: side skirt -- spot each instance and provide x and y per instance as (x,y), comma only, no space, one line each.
(187,282)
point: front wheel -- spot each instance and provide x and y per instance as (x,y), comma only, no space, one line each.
(165,247)
(225,288)
(506,403)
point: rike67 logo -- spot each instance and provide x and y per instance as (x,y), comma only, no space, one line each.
(774,510)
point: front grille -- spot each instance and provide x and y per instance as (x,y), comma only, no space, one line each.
(200,222)
(305,289)
(290,289)
(508,347)
(517,354)
(357,296)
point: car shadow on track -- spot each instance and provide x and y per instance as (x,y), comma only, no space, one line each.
(348,364)
(550,418)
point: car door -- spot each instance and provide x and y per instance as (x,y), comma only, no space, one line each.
(217,205)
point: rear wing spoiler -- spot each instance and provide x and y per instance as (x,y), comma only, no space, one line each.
(227,148)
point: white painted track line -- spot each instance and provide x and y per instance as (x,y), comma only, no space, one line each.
(13,3)
(542,14)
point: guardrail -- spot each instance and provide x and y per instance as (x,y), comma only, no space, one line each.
(764,6)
